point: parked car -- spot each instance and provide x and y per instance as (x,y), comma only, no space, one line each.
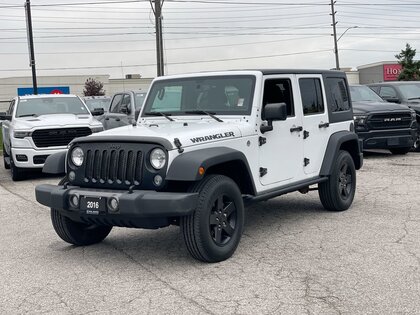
(402,92)
(123,110)
(380,124)
(37,126)
(96,102)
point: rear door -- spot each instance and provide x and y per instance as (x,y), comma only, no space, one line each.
(316,133)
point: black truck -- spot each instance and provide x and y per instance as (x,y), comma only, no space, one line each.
(380,124)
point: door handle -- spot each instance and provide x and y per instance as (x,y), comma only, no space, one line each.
(324,125)
(296,129)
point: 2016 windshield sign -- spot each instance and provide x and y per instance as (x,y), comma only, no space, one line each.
(213,137)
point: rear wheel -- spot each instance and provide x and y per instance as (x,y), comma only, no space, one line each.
(214,230)
(5,155)
(77,233)
(337,193)
(400,151)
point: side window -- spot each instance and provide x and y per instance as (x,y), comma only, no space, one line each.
(11,108)
(312,100)
(125,104)
(279,91)
(387,91)
(116,102)
(339,94)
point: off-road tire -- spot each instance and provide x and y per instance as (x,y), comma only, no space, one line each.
(337,193)
(399,151)
(5,155)
(206,231)
(77,233)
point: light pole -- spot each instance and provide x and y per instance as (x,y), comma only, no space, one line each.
(337,64)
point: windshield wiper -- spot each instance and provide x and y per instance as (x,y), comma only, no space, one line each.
(28,115)
(414,98)
(203,112)
(159,114)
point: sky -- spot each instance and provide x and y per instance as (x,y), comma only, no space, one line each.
(92,37)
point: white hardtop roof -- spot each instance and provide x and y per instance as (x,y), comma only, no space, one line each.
(26,97)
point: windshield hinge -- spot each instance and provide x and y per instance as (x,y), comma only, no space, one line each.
(178,145)
(262,140)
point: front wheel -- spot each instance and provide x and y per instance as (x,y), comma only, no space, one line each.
(399,151)
(416,145)
(5,155)
(17,172)
(213,231)
(77,233)
(337,193)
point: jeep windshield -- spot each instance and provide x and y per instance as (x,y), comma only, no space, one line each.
(361,93)
(50,105)
(218,95)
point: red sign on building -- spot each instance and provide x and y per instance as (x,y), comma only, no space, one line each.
(391,72)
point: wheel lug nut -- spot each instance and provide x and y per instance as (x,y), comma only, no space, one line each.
(224,224)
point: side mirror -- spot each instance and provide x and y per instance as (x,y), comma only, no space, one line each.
(5,116)
(98,112)
(272,112)
(276,111)
(391,99)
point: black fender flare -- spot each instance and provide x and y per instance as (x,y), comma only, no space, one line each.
(337,140)
(185,167)
(55,163)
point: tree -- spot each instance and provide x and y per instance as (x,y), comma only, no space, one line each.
(410,68)
(93,88)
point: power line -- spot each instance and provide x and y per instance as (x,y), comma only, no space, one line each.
(172,48)
(176,63)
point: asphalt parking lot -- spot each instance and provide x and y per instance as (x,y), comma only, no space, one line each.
(294,257)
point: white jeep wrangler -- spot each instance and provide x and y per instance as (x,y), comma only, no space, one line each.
(36,126)
(204,145)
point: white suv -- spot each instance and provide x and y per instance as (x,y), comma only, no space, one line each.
(37,126)
(205,145)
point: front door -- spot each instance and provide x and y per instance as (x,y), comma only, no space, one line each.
(315,122)
(281,155)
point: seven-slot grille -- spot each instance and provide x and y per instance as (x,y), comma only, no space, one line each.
(58,137)
(389,121)
(114,166)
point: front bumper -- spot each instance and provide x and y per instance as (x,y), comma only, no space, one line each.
(34,158)
(387,139)
(134,205)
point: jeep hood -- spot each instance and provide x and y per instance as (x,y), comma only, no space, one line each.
(188,133)
(55,121)
(371,107)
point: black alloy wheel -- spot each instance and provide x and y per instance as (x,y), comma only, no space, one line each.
(345,180)
(222,220)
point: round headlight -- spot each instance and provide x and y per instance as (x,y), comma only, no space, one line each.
(157,158)
(77,156)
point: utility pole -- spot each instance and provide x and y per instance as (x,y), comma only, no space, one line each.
(157,10)
(31,44)
(334,23)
